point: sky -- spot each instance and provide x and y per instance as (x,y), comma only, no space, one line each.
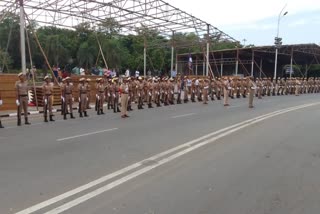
(256,20)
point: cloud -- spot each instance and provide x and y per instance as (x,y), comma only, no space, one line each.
(220,13)
(297,23)
(250,26)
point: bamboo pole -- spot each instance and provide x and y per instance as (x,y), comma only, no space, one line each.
(31,64)
(104,60)
(42,51)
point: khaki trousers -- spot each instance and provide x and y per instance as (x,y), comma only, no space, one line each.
(83,102)
(225,96)
(251,94)
(124,104)
(68,100)
(23,105)
(49,105)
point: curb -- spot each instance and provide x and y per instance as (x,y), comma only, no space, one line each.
(31,113)
(40,112)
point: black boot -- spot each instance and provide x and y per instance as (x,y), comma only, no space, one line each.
(26,121)
(72,117)
(98,112)
(108,106)
(65,116)
(19,122)
(1,127)
(45,119)
(51,118)
(150,105)
(80,114)
(85,114)
(102,111)
(118,110)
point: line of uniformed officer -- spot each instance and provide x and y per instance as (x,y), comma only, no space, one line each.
(158,91)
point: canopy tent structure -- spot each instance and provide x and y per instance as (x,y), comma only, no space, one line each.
(129,15)
(294,59)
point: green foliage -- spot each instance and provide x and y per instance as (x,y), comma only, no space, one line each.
(5,60)
(79,47)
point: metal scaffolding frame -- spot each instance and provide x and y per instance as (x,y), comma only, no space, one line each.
(131,15)
(252,59)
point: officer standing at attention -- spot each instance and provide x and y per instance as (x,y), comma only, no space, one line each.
(131,93)
(47,89)
(88,92)
(115,91)
(100,96)
(67,94)
(226,88)
(252,87)
(205,90)
(22,98)
(63,106)
(124,89)
(1,102)
(82,88)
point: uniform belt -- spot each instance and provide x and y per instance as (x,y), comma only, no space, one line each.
(48,94)
(125,93)
(67,93)
(101,91)
(83,93)
(24,95)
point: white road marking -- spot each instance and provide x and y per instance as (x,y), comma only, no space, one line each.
(234,106)
(135,174)
(191,145)
(87,134)
(183,115)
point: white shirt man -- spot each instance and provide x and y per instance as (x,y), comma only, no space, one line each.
(197,82)
(82,71)
(127,73)
(137,73)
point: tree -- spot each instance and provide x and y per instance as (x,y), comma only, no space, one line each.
(5,60)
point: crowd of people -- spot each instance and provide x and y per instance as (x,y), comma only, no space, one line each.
(120,93)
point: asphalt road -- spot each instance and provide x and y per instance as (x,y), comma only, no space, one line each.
(267,165)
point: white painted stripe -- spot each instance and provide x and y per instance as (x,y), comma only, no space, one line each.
(183,115)
(13,115)
(139,164)
(234,106)
(135,174)
(34,112)
(87,134)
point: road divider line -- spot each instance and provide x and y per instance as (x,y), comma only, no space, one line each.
(144,170)
(87,134)
(183,115)
(189,144)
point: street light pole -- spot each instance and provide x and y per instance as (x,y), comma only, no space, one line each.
(278,42)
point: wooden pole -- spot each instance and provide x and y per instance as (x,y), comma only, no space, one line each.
(31,64)
(42,51)
(104,59)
